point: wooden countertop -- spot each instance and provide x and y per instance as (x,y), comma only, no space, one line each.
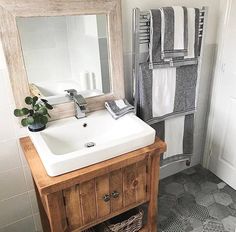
(47,184)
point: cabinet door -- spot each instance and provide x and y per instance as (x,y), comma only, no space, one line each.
(135,183)
(104,195)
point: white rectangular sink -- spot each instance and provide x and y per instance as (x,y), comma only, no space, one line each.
(64,145)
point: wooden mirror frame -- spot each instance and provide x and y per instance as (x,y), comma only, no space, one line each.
(11,9)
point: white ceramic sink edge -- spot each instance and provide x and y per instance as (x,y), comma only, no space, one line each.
(126,134)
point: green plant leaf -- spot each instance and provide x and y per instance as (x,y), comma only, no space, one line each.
(43,111)
(17,113)
(35,99)
(30,120)
(36,107)
(36,118)
(28,100)
(24,122)
(44,120)
(25,111)
(50,107)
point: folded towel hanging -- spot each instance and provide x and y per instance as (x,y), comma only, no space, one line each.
(118,108)
(174,32)
(179,140)
(166,93)
(190,41)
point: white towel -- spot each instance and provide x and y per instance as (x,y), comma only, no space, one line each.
(191,33)
(163,91)
(179,27)
(174,134)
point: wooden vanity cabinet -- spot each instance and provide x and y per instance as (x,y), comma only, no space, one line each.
(83,198)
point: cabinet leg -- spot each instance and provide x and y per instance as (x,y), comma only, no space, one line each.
(43,215)
(154,183)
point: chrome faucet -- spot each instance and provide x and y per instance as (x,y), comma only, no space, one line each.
(79,102)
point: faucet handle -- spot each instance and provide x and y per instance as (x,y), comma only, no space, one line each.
(71,92)
(80,100)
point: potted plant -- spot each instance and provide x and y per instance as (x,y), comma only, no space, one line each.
(37,116)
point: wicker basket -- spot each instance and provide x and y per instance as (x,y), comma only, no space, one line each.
(133,224)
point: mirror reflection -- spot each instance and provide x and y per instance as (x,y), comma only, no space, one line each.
(65,52)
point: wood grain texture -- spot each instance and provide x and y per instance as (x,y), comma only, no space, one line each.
(154,184)
(88,201)
(102,189)
(56,212)
(129,185)
(11,9)
(142,178)
(73,206)
(116,178)
(47,184)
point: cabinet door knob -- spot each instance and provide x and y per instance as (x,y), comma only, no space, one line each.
(115,194)
(106,197)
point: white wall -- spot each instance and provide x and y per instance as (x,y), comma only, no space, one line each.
(207,67)
(18,210)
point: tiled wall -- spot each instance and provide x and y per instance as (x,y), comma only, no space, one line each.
(18,208)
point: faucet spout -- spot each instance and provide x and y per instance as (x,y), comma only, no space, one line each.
(79,102)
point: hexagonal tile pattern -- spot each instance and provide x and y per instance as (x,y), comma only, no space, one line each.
(192,188)
(196,201)
(221,185)
(218,211)
(229,223)
(189,171)
(175,189)
(213,226)
(209,187)
(230,191)
(223,198)
(204,199)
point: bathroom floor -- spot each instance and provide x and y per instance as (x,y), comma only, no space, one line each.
(195,200)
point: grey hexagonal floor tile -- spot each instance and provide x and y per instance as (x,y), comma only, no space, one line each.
(204,199)
(213,226)
(218,211)
(199,212)
(221,185)
(186,200)
(189,171)
(209,187)
(230,191)
(223,198)
(192,188)
(229,223)
(175,189)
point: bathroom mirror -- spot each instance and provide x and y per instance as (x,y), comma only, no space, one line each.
(54,45)
(72,55)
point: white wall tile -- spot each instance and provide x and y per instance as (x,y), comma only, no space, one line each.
(12,183)
(24,225)
(9,155)
(28,177)
(37,222)
(33,201)
(14,209)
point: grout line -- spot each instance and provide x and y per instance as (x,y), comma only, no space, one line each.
(2,227)
(9,198)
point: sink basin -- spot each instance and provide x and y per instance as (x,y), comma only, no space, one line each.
(71,143)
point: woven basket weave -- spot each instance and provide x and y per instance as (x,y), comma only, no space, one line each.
(132,224)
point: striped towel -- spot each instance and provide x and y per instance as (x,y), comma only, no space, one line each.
(178,133)
(174,32)
(166,93)
(189,37)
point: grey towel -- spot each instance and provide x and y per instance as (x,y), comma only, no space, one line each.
(118,108)
(185,93)
(188,139)
(155,53)
(168,20)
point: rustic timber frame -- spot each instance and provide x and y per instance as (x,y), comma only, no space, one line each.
(11,9)
(86,197)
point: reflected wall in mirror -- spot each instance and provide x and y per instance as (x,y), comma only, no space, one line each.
(65,52)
